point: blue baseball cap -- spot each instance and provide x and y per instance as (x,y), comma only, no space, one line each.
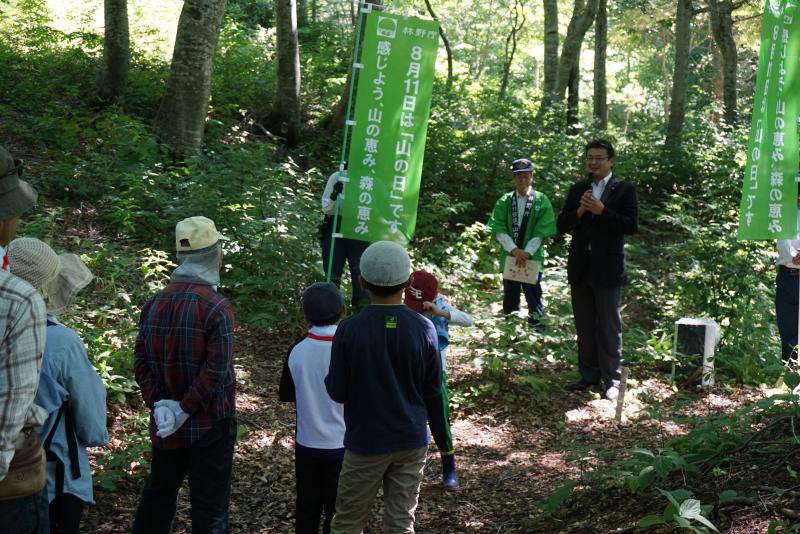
(521,165)
(322,303)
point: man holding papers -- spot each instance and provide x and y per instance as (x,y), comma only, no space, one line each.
(520,221)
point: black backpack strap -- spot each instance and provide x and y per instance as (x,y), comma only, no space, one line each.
(72,443)
(72,447)
(51,457)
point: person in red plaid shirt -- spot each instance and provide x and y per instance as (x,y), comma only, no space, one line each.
(183,362)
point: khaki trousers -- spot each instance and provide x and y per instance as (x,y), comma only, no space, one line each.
(361,477)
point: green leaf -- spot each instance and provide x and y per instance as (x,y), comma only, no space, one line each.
(706,522)
(690,509)
(560,495)
(682,521)
(650,520)
(671,499)
(646,477)
(791,379)
(727,495)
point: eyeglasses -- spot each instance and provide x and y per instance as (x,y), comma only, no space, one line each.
(17,168)
(592,159)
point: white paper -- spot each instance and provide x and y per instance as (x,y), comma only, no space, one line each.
(528,274)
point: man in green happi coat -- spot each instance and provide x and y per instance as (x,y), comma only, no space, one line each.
(521,221)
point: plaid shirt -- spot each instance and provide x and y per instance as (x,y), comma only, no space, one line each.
(184,351)
(23,323)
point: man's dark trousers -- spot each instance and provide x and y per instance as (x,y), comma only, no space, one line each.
(317,480)
(208,462)
(599,328)
(349,250)
(533,296)
(786,309)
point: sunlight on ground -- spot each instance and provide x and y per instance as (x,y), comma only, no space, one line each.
(483,432)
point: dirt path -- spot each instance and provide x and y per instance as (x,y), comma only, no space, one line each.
(512,455)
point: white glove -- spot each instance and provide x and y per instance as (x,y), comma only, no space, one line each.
(179,416)
(164,417)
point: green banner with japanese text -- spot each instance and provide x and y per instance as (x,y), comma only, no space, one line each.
(395,83)
(769,191)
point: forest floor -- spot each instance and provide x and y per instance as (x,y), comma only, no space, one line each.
(511,455)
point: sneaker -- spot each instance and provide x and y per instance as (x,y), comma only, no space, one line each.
(612,393)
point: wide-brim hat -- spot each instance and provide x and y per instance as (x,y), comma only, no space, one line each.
(16,195)
(58,278)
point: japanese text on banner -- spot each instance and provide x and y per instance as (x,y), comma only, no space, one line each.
(391,122)
(769,207)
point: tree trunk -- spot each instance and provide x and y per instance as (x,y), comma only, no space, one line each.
(550,54)
(600,87)
(573,98)
(511,44)
(666,83)
(181,117)
(582,18)
(680,73)
(446,46)
(722,28)
(284,119)
(112,78)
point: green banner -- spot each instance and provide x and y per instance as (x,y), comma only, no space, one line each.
(387,146)
(769,192)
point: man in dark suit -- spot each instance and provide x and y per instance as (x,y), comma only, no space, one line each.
(599,211)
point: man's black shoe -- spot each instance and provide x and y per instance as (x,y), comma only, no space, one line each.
(580,386)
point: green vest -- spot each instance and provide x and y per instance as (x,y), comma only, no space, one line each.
(541,222)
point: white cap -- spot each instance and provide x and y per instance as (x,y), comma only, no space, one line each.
(386,264)
(196,233)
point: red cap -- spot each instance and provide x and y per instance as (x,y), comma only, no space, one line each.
(424,288)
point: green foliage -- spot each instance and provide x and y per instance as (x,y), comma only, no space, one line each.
(129,458)
(559,496)
(682,512)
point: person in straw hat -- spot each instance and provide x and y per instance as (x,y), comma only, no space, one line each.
(70,389)
(16,197)
(22,321)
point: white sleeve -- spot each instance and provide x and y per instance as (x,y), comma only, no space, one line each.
(328,205)
(506,241)
(459,318)
(533,245)
(785,248)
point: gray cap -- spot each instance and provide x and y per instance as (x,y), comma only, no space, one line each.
(386,264)
(322,303)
